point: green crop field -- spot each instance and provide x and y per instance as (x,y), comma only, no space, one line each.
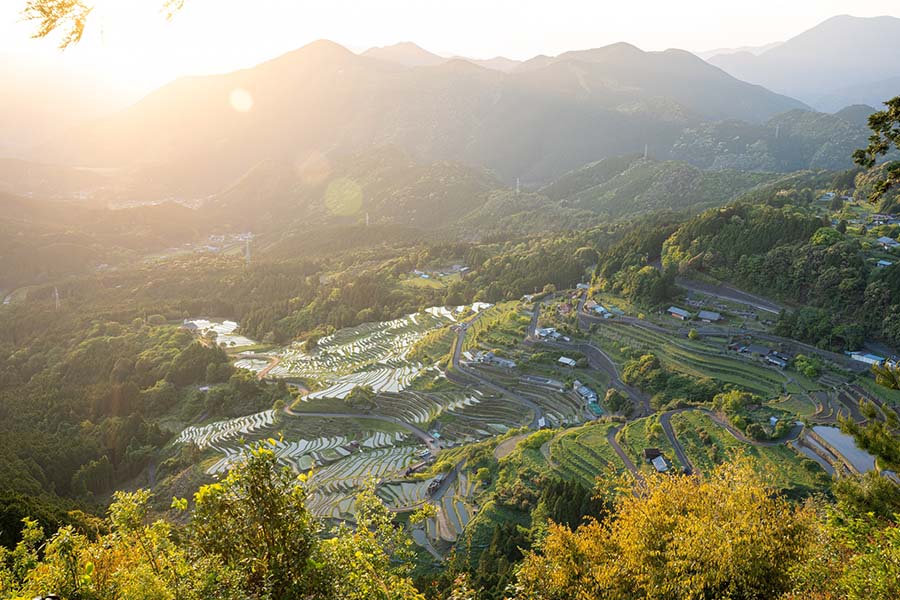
(707,445)
(698,359)
(583,453)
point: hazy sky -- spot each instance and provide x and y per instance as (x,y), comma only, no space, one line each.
(129,40)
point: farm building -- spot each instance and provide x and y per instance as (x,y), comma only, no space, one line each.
(651,453)
(679,313)
(883,263)
(659,463)
(774,359)
(754,349)
(497,361)
(869,359)
(888,243)
(567,362)
(582,286)
(708,316)
(545,332)
(585,392)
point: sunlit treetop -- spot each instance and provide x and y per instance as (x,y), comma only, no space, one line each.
(69,17)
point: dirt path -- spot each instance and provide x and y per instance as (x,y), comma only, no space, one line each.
(505,447)
(273,362)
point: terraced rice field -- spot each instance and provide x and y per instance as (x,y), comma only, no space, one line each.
(400,495)
(584,453)
(333,487)
(222,434)
(372,354)
(454,512)
(786,466)
(225,331)
(698,359)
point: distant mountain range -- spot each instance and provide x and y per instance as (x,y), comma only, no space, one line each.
(550,115)
(844,60)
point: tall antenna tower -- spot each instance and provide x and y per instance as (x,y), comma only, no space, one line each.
(247,251)
(518,187)
(646,151)
(777,131)
(367,219)
(56,297)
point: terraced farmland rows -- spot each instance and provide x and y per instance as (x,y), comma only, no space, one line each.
(584,453)
(372,354)
(348,474)
(559,407)
(454,512)
(405,494)
(699,361)
(216,434)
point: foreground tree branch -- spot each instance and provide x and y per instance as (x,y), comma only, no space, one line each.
(69,17)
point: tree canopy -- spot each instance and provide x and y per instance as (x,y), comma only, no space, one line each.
(885,126)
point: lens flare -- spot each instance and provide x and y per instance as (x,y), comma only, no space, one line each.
(241,100)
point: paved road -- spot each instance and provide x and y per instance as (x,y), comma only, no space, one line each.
(665,419)
(422,435)
(465,373)
(726,292)
(611,439)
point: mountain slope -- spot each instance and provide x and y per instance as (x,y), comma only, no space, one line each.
(406,54)
(792,141)
(826,63)
(323,100)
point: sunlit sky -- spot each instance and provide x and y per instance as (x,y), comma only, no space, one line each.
(129,41)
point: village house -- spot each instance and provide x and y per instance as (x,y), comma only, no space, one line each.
(708,316)
(659,463)
(586,393)
(864,357)
(679,313)
(888,243)
(567,362)
(497,361)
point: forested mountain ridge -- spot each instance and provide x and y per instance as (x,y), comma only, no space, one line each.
(533,124)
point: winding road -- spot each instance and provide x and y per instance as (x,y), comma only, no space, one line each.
(461,330)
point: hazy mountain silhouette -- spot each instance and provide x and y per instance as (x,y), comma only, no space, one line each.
(844,60)
(535,123)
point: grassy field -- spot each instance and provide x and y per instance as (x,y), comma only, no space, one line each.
(646,433)
(501,326)
(434,346)
(797,404)
(708,445)
(879,391)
